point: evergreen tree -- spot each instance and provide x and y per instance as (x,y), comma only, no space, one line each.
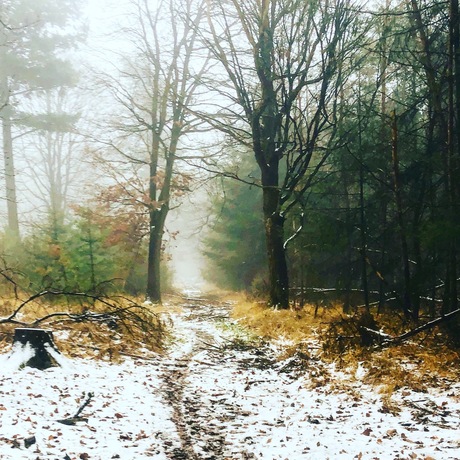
(234,245)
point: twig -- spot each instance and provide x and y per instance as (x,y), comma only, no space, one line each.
(76,418)
(85,403)
(211,345)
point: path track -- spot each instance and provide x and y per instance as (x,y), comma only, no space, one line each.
(198,416)
(232,402)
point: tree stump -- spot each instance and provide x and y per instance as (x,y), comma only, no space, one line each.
(41,341)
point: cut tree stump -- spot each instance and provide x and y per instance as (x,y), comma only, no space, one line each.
(41,341)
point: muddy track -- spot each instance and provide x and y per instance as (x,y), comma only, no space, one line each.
(194,414)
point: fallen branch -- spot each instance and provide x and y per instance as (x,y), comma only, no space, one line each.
(115,312)
(388,340)
(109,302)
(10,319)
(380,336)
(76,418)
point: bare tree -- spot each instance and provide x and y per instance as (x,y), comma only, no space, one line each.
(154,88)
(280,59)
(54,152)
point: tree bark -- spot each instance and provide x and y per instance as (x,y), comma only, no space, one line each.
(157,221)
(265,127)
(10,173)
(158,214)
(274,234)
(407,302)
(451,291)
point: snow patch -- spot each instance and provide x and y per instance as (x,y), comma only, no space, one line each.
(18,356)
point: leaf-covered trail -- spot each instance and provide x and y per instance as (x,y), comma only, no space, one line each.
(208,399)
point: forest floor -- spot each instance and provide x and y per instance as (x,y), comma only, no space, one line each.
(217,394)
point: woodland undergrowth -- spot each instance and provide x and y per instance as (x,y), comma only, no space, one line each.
(106,327)
(326,335)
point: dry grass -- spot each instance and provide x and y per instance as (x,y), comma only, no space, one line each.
(125,327)
(295,325)
(418,364)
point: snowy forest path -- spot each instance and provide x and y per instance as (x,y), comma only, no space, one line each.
(220,393)
(232,399)
(199,414)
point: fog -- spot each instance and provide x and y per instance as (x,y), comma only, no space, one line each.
(187,222)
(104,46)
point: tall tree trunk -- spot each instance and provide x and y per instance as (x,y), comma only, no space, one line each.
(383,249)
(157,220)
(274,235)
(158,213)
(363,236)
(348,276)
(446,137)
(362,212)
(153,292)
(10,173)
(455,20)
(407,304)
(383,141)
(92,265)
(264,134)
(451,291)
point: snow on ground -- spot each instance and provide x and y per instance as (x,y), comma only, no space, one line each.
(285,419)
(201,404)
(127,418)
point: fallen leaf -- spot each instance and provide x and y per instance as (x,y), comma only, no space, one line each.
(391,433)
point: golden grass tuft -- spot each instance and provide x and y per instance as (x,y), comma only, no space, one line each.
(294,325)
(415,364)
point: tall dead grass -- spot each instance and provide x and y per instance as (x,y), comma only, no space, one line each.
(296,325)
(424,361)
(108,328)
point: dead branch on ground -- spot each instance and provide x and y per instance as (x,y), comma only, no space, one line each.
(76,418)
(115,310)
(120,314)
(390,340)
